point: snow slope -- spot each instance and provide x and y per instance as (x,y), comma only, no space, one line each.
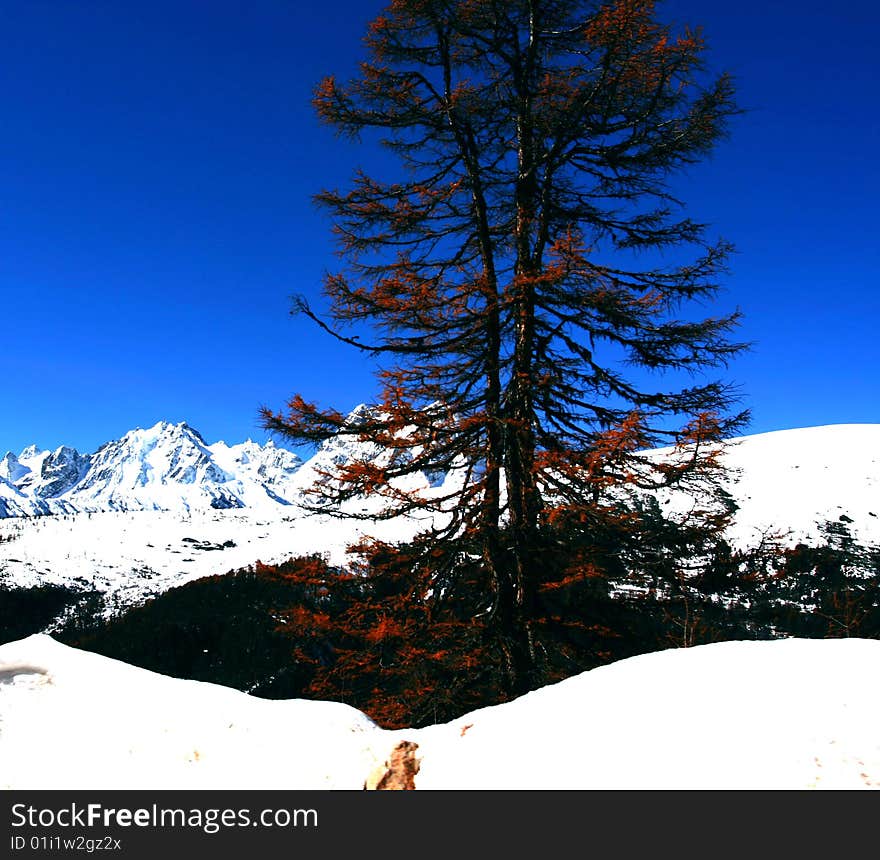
(131,555)
(798,478)
(783,714)
(13,502)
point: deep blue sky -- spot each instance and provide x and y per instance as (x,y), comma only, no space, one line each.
(158,160)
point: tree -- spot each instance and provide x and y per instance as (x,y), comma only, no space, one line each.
(835,584)
(515,281)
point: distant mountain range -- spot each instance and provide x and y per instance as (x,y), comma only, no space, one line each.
(788,478)
(168,467)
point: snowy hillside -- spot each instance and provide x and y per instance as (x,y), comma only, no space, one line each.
(132,555)
(785,714)
(793,479)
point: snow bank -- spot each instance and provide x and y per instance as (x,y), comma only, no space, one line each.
(788,714)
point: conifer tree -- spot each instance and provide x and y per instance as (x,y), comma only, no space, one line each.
(517,280)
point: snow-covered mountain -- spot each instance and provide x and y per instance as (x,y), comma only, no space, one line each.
(170,467)
(165,467)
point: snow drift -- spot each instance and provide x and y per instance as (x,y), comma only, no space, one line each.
(784,714)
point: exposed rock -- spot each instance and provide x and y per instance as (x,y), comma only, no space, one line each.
(398,772)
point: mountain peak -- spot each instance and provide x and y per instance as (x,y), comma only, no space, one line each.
(163,430)
(165,466)
(64,451)
(361,413)
(163,426)
(184,429)
(11,469)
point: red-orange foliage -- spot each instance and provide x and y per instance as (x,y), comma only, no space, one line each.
(375,639)
(382,638)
